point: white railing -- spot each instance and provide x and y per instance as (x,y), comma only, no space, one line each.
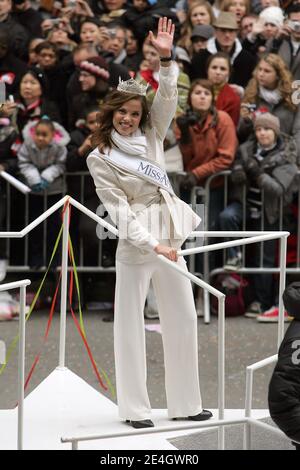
(21,365)
(254,237)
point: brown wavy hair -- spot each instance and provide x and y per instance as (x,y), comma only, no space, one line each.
(226,4)
(284,85)
(204,83)
(187,27)
(114,100)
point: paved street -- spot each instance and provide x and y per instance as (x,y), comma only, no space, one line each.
(246,342)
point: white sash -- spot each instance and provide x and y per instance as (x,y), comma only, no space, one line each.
(140,166)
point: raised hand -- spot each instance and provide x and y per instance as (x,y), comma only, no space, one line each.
(165,35)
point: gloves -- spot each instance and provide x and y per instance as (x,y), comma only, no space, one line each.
(184,122)
(45,184)
(188,181)
(238,175)
(38,187)
(253,169)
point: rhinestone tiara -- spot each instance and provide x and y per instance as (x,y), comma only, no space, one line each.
(132,86)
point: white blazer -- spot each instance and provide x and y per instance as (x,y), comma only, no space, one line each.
(133,203)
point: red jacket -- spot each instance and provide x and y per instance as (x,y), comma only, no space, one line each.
(229,101)
(212,148)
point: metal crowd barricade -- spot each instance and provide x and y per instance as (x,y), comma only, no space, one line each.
(255,237)
(81,181)
(204,193)
(17,220)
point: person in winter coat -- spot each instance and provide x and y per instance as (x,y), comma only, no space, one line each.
(56,70)
(130,179)
(12,68)
(41,162)
(226,98)
(267,165)
(287,45)
(271,89)
(225,40)
(284,387)
(32,102)
(94,82)
(207,141)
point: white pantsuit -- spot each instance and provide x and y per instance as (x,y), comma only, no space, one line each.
(137,263)
(178,320)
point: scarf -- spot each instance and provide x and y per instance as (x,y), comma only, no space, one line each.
(270,96)
(136,144)
(149,77)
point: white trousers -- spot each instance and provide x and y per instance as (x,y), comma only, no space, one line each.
(178,321)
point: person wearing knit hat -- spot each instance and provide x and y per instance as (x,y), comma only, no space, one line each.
(267,121)
(272,20)
(288,45)
(265,166)
(265,30)
(94,83)
(96,66)
(273,15)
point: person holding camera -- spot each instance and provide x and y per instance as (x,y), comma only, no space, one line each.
(28,17)
(287,45)
(271,89)
(268,25)
(207,140)
(116,43)
(266,164)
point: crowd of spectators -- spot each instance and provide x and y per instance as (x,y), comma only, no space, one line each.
(238,105)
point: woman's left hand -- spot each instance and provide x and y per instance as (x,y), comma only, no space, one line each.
(165,35)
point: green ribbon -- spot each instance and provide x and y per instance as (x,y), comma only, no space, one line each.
(14,342)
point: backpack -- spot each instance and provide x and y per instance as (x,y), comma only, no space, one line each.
(233,286)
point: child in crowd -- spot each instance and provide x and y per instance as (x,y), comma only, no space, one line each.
(267,165)
(284,388)
(41,161)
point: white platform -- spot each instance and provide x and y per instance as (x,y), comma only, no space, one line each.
(64,405)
